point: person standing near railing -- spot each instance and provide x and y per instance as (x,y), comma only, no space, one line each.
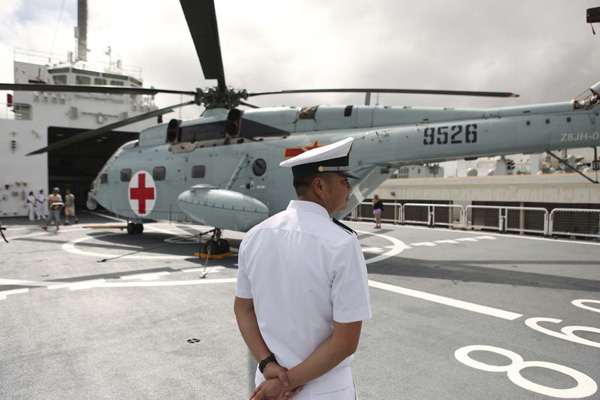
(377,210)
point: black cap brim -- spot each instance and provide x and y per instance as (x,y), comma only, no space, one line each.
(349,174)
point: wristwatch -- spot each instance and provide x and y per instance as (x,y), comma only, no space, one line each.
(267,360)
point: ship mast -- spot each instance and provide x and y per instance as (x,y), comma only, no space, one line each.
(81,30)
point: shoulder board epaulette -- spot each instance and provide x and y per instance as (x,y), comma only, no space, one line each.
(344,227)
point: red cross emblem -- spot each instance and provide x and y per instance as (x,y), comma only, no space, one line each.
(142,193)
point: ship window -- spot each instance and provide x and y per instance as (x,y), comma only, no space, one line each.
(83,80)
(104,178)
(159,173)
(59,70)
(117,83)
(60,79)
(125,175)
(86,72)
(100,81)
(115,76)
(198,171)
(22,111)
(135,82)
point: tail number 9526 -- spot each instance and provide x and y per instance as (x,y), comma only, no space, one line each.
(456,134)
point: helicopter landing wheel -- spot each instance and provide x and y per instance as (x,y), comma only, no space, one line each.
(215,247)
(134,229)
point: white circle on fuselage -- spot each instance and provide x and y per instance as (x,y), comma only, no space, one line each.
(141,193)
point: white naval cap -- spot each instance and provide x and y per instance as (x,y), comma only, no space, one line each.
(334,157)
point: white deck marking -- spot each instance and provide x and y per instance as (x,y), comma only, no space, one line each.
(579,303)
(372,250)
(166,283)
(585,387)
(451,241)
(70,247)
(19,282)
(494,312)
(153,228)
(77,285)
(201,269)
(5,293)
(146,277)
(397,247)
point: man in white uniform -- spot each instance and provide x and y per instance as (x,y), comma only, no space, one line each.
(302,290)
(41,206)
(31,203)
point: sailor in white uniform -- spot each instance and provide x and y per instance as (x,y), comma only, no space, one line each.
(31,203)
(41,204)
(302,290)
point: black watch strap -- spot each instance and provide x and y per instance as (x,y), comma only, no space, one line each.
(267,360)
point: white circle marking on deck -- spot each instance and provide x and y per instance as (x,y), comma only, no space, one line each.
(70,247)
(399,246)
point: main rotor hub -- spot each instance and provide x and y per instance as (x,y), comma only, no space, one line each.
(214,97)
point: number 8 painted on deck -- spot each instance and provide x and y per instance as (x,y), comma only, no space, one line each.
(586,386)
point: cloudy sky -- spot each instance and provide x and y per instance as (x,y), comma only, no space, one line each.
(541,49)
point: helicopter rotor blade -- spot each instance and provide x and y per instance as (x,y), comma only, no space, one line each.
(248,104)
(405,91)
(202,22)
(42,87)
(107,128)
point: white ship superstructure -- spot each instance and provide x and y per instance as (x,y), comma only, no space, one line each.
(32,120)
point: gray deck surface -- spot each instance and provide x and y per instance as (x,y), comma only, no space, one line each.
(146,326)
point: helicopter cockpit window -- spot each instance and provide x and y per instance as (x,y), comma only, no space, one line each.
(198,171)
(159,173)
(259,167)
(125,175)
(83,80)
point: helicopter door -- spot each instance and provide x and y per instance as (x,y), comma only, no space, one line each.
(258,171)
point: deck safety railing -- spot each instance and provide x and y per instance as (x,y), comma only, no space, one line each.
(521,220)
(575,222)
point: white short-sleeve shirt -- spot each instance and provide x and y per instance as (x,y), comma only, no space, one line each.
(303,272)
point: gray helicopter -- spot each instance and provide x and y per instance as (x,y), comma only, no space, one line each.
(222,169)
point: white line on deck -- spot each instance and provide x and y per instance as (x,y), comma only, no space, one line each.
(5,293)
(494,312)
